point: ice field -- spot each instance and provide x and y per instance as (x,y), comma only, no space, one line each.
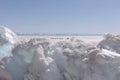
(59,57)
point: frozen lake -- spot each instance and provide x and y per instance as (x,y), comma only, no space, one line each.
(59,57)
(88,39)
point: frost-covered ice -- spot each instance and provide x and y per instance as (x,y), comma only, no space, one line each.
(7,41)
(59,58)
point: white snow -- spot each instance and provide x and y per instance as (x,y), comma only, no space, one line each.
(59,57)
(7,41)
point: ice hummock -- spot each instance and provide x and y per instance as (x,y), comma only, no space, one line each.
(110,42)
(7,40)
(63,60)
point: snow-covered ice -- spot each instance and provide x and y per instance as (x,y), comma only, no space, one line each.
(59,57)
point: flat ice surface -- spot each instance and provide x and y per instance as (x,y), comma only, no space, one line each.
(88,39)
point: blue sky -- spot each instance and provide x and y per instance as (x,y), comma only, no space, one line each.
(62,16)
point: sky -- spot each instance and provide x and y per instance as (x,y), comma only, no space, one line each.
(61,16)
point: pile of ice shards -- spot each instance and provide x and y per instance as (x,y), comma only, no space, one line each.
(63,60)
